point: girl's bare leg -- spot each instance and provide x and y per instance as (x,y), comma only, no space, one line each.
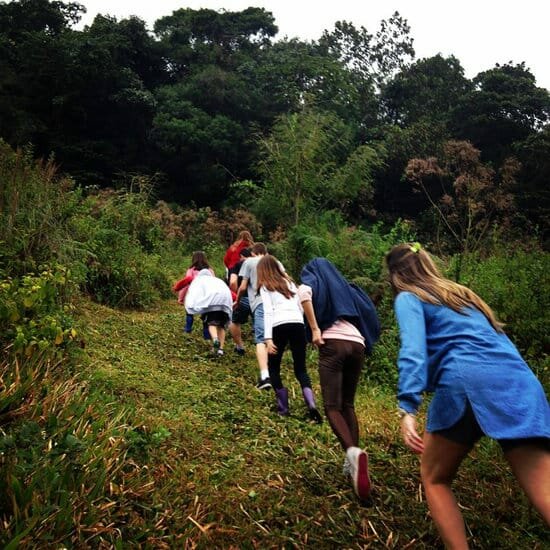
(440,461)
(530,465)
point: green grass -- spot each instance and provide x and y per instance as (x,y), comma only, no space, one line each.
(222,470)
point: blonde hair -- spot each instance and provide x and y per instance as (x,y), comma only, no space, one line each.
(273,278)
(412,269)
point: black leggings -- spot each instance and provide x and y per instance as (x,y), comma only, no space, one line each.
(340,365)
(294,335)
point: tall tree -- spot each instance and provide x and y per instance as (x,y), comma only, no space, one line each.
(207,110)
(310,163)
(429,89)
(375,57)
(505,107)
(533,195)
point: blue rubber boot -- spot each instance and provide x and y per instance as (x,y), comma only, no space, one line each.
(188,323)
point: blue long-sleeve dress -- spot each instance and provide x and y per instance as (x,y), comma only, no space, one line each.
(461,357)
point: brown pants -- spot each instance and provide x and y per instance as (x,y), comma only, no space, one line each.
(340,365)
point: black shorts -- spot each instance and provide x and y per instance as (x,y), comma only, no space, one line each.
(242,312)
(467,431)
(215,318)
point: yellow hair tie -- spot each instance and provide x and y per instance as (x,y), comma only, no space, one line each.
(415,247)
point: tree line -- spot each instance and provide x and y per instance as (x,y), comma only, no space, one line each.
(219,112)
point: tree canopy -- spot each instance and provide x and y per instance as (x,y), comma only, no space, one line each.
(195,100)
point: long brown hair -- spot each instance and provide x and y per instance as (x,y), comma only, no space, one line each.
(199,261)
(412,269)
(273,277)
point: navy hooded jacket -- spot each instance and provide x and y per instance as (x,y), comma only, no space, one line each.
(334,298)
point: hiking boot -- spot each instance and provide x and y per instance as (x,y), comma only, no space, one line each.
(359,471)
(263,383)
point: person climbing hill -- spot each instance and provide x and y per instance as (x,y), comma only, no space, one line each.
(198,262)
(453,345)
(284,325)
(211,298)
(343,324)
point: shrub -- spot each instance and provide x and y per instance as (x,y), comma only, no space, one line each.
(123,240)
(516,285)
(34,313)
(35,206)
(358,253)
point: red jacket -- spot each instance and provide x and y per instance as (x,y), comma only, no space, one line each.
(233,253)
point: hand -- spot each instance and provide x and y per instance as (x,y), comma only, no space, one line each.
(316,337)
(235,304)
(410,436)
(271,347)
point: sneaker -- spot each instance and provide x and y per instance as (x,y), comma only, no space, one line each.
(220,352)
(216,344)
(263,384)
(315,416)
(238,350)
(359,466)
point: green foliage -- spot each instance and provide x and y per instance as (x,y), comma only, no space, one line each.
(467,197)
(425,91)
(123,239)
(381,365)
(34,313)
(63,475)
(35,205)
(372,56)
(516,285)
(505,106)
(309,164)
(357,252)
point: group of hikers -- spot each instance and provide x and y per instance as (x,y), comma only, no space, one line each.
(451,344)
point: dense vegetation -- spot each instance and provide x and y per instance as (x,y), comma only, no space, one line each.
(114,430)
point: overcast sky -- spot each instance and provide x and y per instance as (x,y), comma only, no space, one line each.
(480,33)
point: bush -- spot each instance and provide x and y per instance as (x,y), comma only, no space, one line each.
(358,253)
(123,241)
(516,285)
(34,313)
(35,206)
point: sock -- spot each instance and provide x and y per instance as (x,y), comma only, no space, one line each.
(264,373)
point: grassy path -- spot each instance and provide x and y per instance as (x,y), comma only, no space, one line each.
(224,471)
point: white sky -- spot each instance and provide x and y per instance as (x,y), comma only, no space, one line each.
(480,33)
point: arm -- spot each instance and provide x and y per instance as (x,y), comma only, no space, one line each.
(412,363)
(312,322)
(241,290)
(305,297)
(233,280)
(268,320)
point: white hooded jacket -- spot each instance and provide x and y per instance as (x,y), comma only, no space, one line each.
(208,293)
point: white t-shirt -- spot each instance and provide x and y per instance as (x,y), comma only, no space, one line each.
(279,310)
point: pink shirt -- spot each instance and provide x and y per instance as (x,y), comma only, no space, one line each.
(340,330)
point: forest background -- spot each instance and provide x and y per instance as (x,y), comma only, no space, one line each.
(126,148)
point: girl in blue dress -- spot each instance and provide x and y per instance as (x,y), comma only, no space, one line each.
(453,345)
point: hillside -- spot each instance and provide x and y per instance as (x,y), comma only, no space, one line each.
(219,469)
